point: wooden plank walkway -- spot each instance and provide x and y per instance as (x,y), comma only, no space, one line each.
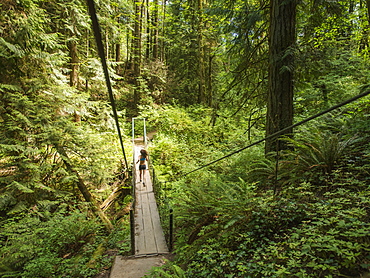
(150,243)
(149,237)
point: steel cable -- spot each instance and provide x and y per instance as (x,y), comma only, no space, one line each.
(283,130)
(99,43)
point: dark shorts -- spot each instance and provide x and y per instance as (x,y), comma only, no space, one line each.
(142,167)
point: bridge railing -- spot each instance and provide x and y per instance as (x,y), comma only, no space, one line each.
(161,190)
(132,210)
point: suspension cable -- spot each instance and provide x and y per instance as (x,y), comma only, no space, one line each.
(283,130)
(99,43)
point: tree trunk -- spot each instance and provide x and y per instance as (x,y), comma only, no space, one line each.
(73,77)
(201,55)
(364,42)
(368,18)
(107,45)
(83,189)
(148,32)
(162,46)
(209,80)
(118,58)
(118,53)
(155,30)
(137,50)
(282,39)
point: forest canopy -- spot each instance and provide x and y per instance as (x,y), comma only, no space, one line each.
(210,77)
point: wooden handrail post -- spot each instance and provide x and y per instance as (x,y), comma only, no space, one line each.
(132,230)
(171,230)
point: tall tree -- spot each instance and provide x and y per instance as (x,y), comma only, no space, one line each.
(367,30)
(137,48)
(155,30)
(202,94)
(282,41)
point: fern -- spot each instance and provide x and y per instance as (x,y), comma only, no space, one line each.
(20,187)
(168,270)
(8,50)
(9,87)
(20,207)
(321,149)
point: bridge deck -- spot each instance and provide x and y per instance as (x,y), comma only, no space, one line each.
(149,237)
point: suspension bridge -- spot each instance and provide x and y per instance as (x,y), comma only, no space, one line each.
(148,242)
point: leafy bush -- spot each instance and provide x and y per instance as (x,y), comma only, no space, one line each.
(119,238)
(61,245)
(286,238)
(168,157)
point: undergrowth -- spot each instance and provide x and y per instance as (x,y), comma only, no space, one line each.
(65,244)
(306,214)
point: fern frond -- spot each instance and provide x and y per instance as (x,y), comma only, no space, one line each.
(19,207)
(22,188)
(9,87)
(8,50)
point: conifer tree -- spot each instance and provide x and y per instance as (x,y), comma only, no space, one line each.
(35,99)
(281,57)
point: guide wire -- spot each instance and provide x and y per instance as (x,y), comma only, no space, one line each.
(283,130)
(99,43)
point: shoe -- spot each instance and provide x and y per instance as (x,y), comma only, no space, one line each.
(140,180)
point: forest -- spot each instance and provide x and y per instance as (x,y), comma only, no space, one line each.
(211,78)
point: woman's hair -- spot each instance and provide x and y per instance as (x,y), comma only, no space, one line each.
(143,152)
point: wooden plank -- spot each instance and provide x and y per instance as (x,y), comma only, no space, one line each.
(145,239)
(150,246)
(148,182)
(158,231)
(139,226)
(140,240)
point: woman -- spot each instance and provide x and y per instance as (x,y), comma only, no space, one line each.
(142,159)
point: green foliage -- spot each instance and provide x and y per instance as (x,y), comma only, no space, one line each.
(169,155)
(334,241)
(119,238)
(169,270)
(320,148)
(42,232)
(276,237)
(53,247)
(228,227)
(184,133)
